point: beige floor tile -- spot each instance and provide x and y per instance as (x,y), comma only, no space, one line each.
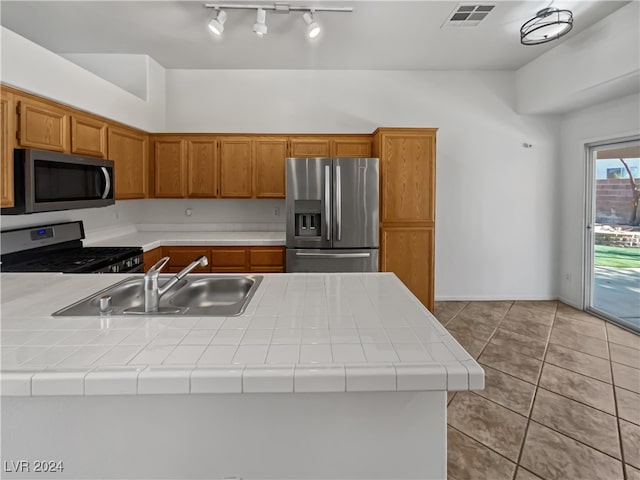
(450,396)
(523,474)
(465,327)
(445,311)
(471,344)
(628,405)
(567,311)
(578,387)
(470,460)
(554,456)
(526,327)
(533,347)
(626,377)
(583,328)
(581,343)
(579,362)
(521,366)
(625,355)
(630,434)
(530,314)
(490,312)
(545,305)
(507,391)
(492,425)
(623,337)
(585,424)
(632,473)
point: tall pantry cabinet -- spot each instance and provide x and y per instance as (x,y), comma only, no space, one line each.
(407,206)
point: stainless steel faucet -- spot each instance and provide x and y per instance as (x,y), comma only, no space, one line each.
(153,292)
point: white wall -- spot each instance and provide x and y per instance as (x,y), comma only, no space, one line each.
(496,200)
(32,68)
(607,121)
(599,64)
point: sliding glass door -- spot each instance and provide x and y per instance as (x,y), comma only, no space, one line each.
(613,233)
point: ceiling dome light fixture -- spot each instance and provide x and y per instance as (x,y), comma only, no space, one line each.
(216,25)
(548,24)
(313,27)
(260,27)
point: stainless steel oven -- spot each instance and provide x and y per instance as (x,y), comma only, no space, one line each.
(47,181)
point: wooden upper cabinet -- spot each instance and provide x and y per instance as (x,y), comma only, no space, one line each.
(88,136)
(409,252)
(236,167)
(270,154)
(170,167)
(407,165)
(128,149)
(42,125)
(351,146)
(8,137)
(202,159)
(306,146)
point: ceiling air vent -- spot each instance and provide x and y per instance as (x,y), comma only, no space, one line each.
(467,15)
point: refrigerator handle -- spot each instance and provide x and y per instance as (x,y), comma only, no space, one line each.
(338,203)
(327,201)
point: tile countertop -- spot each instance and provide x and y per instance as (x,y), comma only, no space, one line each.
(149,240)
(300,333)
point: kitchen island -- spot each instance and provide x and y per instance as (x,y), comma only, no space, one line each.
(323,376)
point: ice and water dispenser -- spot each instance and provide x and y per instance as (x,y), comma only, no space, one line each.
(308,219)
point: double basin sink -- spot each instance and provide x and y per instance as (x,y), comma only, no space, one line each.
(210,295)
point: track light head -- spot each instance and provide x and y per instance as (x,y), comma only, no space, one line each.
(216,25)
(313,28)
(260,27)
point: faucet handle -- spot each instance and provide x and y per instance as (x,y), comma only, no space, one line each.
(155,269)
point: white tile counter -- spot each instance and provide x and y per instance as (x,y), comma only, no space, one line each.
(300,333)
(149,240)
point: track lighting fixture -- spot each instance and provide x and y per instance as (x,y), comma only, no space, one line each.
(216,25)
(548,24)
(313,28)
(260,27)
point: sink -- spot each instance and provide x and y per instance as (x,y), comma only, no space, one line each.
(211,295)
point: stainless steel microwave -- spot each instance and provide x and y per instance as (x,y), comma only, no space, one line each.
(47,181)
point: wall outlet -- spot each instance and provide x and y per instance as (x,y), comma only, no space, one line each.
(276,212)
(568,276)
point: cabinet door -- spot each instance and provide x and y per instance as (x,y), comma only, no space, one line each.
(351,146)
(236,155)
(228,259)
(183,256)
(202,158)
(42,125)
(407,177)
(128,149)
(170,172)
(88,136)
(304,146)
(408,252)
(264,257)
(8,126)
(270,167)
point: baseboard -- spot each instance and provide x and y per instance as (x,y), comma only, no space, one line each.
(495,298)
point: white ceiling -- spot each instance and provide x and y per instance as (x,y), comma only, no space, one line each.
(392,35)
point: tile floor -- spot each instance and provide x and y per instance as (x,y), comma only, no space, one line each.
(562,396)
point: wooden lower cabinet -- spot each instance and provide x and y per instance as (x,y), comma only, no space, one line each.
(221,259)
(407,252)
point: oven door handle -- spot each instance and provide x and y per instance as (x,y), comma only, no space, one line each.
(107,181)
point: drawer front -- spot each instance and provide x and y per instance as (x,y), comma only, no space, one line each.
(229,257)
(183,256)
(266,257)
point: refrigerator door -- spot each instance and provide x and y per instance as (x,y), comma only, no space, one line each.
(355,202)
(308,202)
(352,260)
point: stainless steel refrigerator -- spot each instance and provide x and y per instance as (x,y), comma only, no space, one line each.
(332,214)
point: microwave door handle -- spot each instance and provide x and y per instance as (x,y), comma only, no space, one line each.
(107,182)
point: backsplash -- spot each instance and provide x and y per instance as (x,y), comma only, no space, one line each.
(165,215)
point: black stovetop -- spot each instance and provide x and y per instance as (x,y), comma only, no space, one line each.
(69,260)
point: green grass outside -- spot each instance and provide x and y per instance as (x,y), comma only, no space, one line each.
(621,257)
